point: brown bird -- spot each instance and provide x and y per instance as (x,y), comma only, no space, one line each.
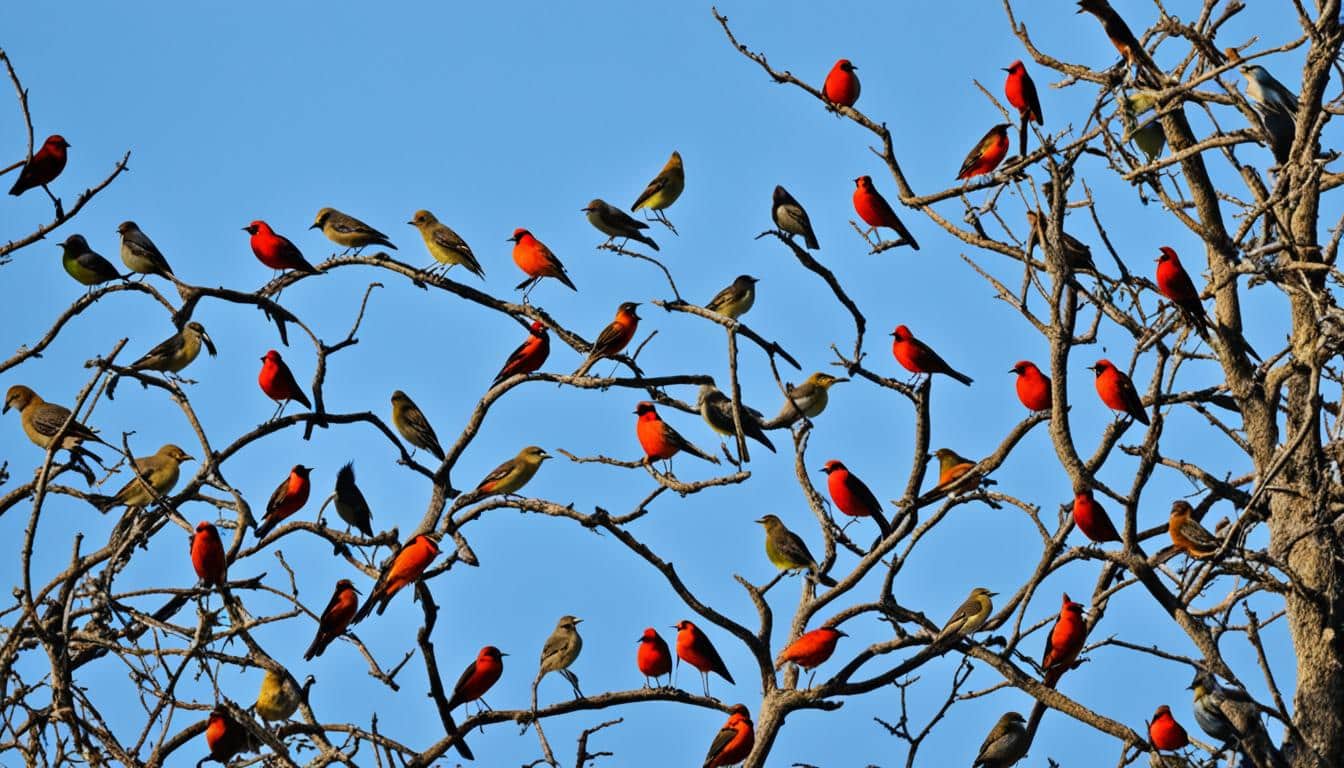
(42,420)
(1188,535)
(1121,37)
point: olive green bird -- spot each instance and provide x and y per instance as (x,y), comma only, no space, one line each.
(140,254)
(280,695)
(717,410)
(807,399)
(410,421)
(969,617)
(1006,743)
(160,472)
(735,300)
(347,231)
(42,420)
(613,222)
(560,651)
(789,552)
(445,245)
(663,191)
(1147,136)
(510,477)
(177,351)
(84,264)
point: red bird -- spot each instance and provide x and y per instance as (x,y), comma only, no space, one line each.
(479,676)
(226,737)
(876,212)
(1064,642)
(734,741)
(659,440)
(1021,93)
(288,498)
(44,167)
(207,555)
(276,251)
(917,357)
(1117,391)
(842,85)
(529,356)
(613,339)
(851,496)
(1175,283)
(278,382)
(403,569)
(335,618)
(653,658)
(694,648)
(811,649)
(1165,733)
(1092,520)
(987,154)
(1033,387)
(533,257)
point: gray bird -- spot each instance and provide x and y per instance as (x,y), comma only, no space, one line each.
(1006,743)
(788,552)
(810,396)
(790,217)
(735,300)
(350,502)
(140,254)
(1231,717)
(85,265)
(613,222)
(345,230)
(717,410)
(1277,107)
(177,351)
(561,649)
(1077,255)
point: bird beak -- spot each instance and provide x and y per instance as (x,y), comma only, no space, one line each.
(247,230)
(578,621)
(5,409)
(188,458)
(839,381)
(262,358)
(1007,69)
(841,633)
(992,594)
(209,344)
(760,520)
(412,223)
(544,456)
(501,653)
(315,226)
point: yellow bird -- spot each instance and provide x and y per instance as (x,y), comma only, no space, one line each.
(735,300)
(159,471)
(177,351)
(280,695)
(810,396)
(663,191)
(445,245)
(84,264)
(954,475)
(41,420)
(509,478)
(969,617)
(345,230)
(788,552)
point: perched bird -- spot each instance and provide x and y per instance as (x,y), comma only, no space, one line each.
(276,251)
(140,254)
(876,212)
(1021,93)
(987,153)
(1064,642)
(653,657)
(534,258)
(479,677)
(1277,107)
(280,695)
(207,555)
(277,381)
(613,222)
(411,423)
(1006,743)
(1230,716)
(613,339)
(851,496)
(969,617)
(402,569)
(177,351)
(42,420)
(717,410)
(1117,391)
(347,231)
(659,440)
(1091,519)
(811,649)
(446,246)
(808,399)
(562,648)
(917,357)
(1033,387)
(43,167)
(788,552)
(663,191)
(509,478)
(288,498)
(160,472)
(1077,256)
(350,502)
(1120,35)
(226,738)
(1164,733)
(84,264)
(735,300)
(842,85)
(1188,535)
(694,648)
(335,618)
(529,356)
(791,218)
(1175,284)
(1148,135)
(734,741)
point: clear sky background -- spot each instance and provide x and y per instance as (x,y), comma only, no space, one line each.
(496,118)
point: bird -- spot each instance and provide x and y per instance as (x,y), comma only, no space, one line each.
(1077,256)
(987,153)
(788,552)
(207,555)
(613,222)
(653,657)
(852,496)
(446,246)
(478,678)
(1064,642)
(534,258)
(1117,391)
(808,400)
(917,357)
(876,212)
(1164,733)
(717,410)
(659,440)
(335,618)
(1148,136)
(811,649)
(1033,387)
(350,502)
(562,648)
(734,741)
(1120,35)
(140,254)
(276,251)
(510,477)
(954,475)
(288,498)
(347,231)
(277,381)
(412,424)
(1091,519)
(402,569)
(1277,107)
(84,264)
(226,738)
(841,87)
(280,695)
(694,648)
(1188,535)
(663,191)
(176,352)
(529,356)
(1006,743)
(968,618)
(614,338)
(43,167)
(735,300)
(1231,716)
(789,215)
(42,420)
(1175,284)
(159,471)
(1021,93)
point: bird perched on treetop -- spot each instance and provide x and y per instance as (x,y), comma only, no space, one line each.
(413,425)
(1077,256)
(735,300)
(140,254)
(42,420)
(478,678)
(288,498)
(335,618)
(276,251)
(1121,37)
(1006,743)
(613,222)
(1188,535)
(1021,93)
(510,477)
(446,246)
(1164,733)
(534,258)
(160,472)
(659,440)
(717,410)
(734,741)
(614,338)
(1091,519)
(207,555)
(811,649)
(986,155)
(969,617)
(226,738)
(790,216)
(653,657)
(788,552)
(347,231)
(278,382)
(954,475)
(280,695)
(917,357)
(1229,715)
(694,648)
(1033,387)
(1117,391)
(841,87)
(807,399)
(562,648)
(663,191)
(876,212)
(852,496)
(350,502)
(1064,642)
(177,351)
(402,569)
(84,264)
(529,356)
(1175,284)
(43,167)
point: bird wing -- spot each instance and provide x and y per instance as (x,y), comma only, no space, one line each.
(617,218)
(723,298)
(659,182)
(721,740)
(162,352)
(796,549)
(48,418)
(349,225)
(609,337)
(498,473)
(462,681)
(964,612)
(863,492)
(555,645)
(278,497)
(1199,535)
(449,239)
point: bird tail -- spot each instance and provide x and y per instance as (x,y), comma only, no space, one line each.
(1022,133)
(265,528)
(823,579)
(959,376)
(103,503)
(755,432)
(883,526)
(692,449)
(810,240)
(364,609)
(899,226)
(564,278)
(645,239)
(456,735)
(315,649)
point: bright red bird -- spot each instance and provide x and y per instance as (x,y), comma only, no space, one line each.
(876,212)
(987,154)
(851,495)
(1117,391)
(207,555)
(694,648)
(278,382)
(533,257)
(1175,283)
(1092,520)
(403,569)
(653,657)
(659,440)
(734,741)
(1033,387)
(1165,733)
(917,357)
(1064,642)
(288,498)
(529,356)
(276,251)
(1021,93)
(842,85)
(335,618)
(811,649)
(226,737)
(479,676)
(46,164)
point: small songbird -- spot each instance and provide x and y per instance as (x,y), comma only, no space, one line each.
(140,254)
(43,167)
(207,555)
(788,552)
(402,569)
(735,300)
(226,738)
(1188,535)
(842,85)
(1277,107)
(1064,642)
(510,477)
(280,695)
(1091,519)
(791,218)
(177,351)
(335,618)
(613,222)
(350,502)
(694,648)
(1033,387)
(479,677)
(1147,135)
(614,338)
(1077,256)
(1175,284)
(1120,35)
(288,498)
(1021,93)
(852,496)
(659,440)
(876,212)
(1230,716)
(84,264)
(968,618)
(954,474)
(534,258)
(717,410)
(663,191)
(42,420)
(1164,733)
(1006,743)
(160,472)
(734,741)
(917,357)
(347,231)
(529,356)
(278,382)
(412,424)
(808,399)
(653,657)
(811,649)
(276,251)
(561,650)
(1118,392)
(987,153)
(446,246)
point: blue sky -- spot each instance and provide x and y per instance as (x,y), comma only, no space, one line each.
(496,119)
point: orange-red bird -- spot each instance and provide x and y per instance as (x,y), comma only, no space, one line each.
(917,357)
(1021,93)
(811,649)
(479,676)
(533,257)
(659,440)
(1165,733)
(988,153)
(276,251)
(1092,520)
(733,743)
(1033,387)
(614,337)
(288,498)
(403,569)
(1064,642)
(852,496)
(1120,35)
(1175,283)
(207,555)
(335,618)
(842,85)
(46,164)
(529,356)
(226,737)
(278,382)
(653,657)
(876,212)
(694,648)
(1117,391)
